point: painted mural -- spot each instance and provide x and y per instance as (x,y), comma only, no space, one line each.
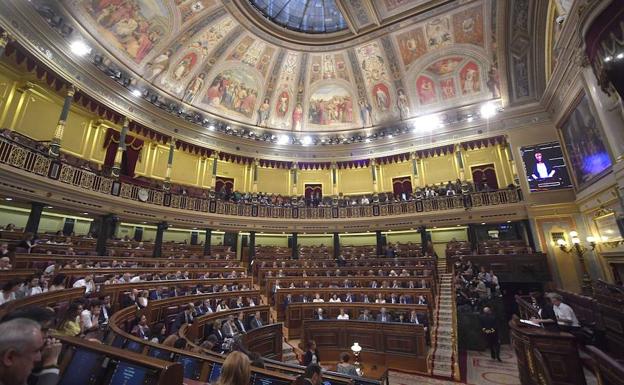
(330,105)
(233,90)
(585,148)
(135,27)
(198,53)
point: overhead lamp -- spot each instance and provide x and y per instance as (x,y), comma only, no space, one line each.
(136,92)
(85,213)
(282,139)
(8,199)
(79,48)
(573,234)
(488,110)
(620,56)
(306,140)
(426,123)
(608,59)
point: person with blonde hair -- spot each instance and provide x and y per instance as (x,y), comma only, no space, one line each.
(236,370)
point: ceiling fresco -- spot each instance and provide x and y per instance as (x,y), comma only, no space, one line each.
(199,53)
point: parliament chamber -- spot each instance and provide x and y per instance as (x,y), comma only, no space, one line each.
(312,192)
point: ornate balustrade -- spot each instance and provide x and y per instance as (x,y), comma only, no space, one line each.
(33,161)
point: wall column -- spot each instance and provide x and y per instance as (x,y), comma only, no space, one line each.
(207,242)
(121,148)
(167,183)
(373,164)
(459,160)
(473,237)
(334,176)
(106,230)
(293,173)
(32,225)
(336,245)
(215,164)
(55,144)
(512,164)
(414,171)
(295,246)
(252,248)
(424,238)
(254,170)
(379,242)
(160,231)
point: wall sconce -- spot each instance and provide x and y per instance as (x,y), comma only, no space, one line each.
(579,249)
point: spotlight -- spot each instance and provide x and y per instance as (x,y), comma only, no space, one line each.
(79,48)
(8,199)
(620,56)
(306,140)
(608,59)
(211,127)
(426,123)
(488,110)
(283,139)
(136,92)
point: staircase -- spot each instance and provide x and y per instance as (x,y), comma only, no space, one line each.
(288,354)
(443,356)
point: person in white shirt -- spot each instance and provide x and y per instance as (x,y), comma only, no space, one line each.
(90,318)
(222,306)
(8,291)
(5,263)
(33,287)
(342,315)
(380,299)
(317,298)
(541,169)
(334,298)
(564,313)
(87,283)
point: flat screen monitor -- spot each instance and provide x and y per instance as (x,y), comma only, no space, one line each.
(84,368)
(190,366)
(118,342)
(160,354)
(545,167)
(264,380)
(134,346)
(129,374)
(215,372)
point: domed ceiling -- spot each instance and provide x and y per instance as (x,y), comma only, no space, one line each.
(380,61)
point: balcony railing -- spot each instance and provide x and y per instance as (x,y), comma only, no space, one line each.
(37,162)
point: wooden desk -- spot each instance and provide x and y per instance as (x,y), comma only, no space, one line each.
(297,313)
(393,345)
(414,271)
(546,357)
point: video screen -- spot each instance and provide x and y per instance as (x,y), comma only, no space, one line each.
(191,367)
(545,167)
(215,372)
(84,369)
(160,354)
(262,380)
(128,374)
(134,346)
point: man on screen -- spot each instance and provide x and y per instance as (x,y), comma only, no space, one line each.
(541,170)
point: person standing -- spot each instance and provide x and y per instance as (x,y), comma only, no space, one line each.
(312,355)
(489,328)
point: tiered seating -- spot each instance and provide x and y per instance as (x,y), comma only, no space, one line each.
(504,247)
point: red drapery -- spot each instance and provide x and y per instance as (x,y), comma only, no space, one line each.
(131,155)
(313,190)
(402,185)
(227,183)
(482,174)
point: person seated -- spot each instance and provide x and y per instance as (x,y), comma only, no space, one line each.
(335,298)
(380,298)
(384,316)
(344,367)
(239,321)
(317,298)
(256,321)
(566,318)
(365,316)
(229,328)
(142,329)
(319,314)
(5,262)
(342,315)
(185,318)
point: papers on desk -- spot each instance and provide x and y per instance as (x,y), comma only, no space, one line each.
(529,322)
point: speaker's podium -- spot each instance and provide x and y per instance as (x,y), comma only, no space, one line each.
(545,357)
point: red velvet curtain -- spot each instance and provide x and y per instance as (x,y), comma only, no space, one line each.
(482,174)
(227,183)
(312,190)
(402,185)
(134,146)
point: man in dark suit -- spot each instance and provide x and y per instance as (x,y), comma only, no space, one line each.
(155,295)
(239,321)
(229,328)
(319,314)
(287,301)
(349,298)
(256,321)
(205,308)
(186,317)
(106,310)
(489,329)
(366,316)
(384,316)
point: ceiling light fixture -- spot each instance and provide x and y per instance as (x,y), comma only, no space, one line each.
(488,110)
(8,199)
(608,59)
(136,92)
(282,139)
(426,123)
(306,140)
(85,213)
(620,56)
(79,48)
